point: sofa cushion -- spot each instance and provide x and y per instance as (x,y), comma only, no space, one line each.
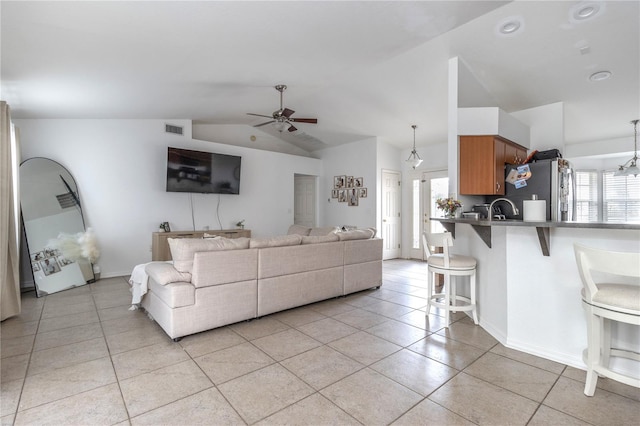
(357,234)
(316,232)
(298,229)
(164,273)
(279,241)
(183,249)
(320,239)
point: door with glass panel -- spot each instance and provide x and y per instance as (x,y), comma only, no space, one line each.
(436,185)
(425,191)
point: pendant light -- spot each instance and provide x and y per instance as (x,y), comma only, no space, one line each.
(414,159)
(632,168)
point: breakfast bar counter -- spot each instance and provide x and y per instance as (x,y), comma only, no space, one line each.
(482,227)
(528,298)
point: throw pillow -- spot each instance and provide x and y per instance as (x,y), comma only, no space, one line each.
(183,249)
(316,232)
(280,241)
(299,230)
(320,239)
(357,234)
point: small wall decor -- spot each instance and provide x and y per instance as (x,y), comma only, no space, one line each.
(348,189)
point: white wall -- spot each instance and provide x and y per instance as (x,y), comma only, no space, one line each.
(120,168)
(357,159)
(388,158)
(546,124)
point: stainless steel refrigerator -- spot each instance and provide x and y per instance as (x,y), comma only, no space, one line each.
(551,180)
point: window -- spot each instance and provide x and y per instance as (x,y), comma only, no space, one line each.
(415,238)
(587,196)
(601,196)
(621,198)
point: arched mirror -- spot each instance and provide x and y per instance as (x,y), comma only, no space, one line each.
(51,209)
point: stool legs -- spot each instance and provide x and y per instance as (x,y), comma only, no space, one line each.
(472,293)
(449,297)
(594,342)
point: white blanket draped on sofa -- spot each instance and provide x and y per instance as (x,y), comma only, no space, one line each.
(139,282)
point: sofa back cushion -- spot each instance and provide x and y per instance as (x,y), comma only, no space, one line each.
(298,229)
(183,249)
(279,241)
(279,261)
(223,267)
(362,251)
(316,232)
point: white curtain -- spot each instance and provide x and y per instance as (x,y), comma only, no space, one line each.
(9,225)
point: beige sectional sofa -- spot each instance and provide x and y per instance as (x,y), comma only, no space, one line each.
(218,281)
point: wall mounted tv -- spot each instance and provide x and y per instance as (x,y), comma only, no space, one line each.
(202,172)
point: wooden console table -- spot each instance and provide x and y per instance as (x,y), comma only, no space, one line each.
(160,245)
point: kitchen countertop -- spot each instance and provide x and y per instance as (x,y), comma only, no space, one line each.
(546,224)
(482,227)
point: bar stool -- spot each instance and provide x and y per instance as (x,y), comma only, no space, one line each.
(448,265)
(604,303)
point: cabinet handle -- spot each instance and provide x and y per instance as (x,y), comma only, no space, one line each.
(497,186)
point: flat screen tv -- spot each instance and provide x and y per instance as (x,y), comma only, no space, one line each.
(202,172)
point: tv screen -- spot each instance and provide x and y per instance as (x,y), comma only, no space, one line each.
(203,172)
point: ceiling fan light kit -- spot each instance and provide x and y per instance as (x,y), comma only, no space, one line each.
(281,119)
(632,168)
(414,159)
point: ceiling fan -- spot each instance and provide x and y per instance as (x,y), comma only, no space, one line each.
(282,117)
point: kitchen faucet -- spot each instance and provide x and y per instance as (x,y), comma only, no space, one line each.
(513,207)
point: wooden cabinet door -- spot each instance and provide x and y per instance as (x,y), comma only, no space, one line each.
(478,164)
(499,160)
(514,154)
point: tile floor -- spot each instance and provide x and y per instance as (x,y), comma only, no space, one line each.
(80,357)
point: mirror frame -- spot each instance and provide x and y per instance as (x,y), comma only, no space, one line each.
(77,276)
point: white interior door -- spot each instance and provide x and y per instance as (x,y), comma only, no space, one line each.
(391,223)
(304,205)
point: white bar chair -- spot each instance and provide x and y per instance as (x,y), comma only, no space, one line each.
(449,265)
(605,302)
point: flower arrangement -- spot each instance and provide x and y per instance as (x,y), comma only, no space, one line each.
(448,205)
(240,224)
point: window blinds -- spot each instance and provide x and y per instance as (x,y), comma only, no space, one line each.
(587,195)
(621,198)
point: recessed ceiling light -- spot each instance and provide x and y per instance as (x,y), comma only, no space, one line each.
(600,75)
(586,10)
(510,26)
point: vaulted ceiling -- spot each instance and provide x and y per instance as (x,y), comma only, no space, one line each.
(362,68)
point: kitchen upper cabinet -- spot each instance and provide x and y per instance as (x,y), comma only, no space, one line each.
(514,154)
(482,160)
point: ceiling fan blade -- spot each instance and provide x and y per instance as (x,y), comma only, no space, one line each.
(287,112)
(264,124)
(259,115)
(305,120)
(292,128)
